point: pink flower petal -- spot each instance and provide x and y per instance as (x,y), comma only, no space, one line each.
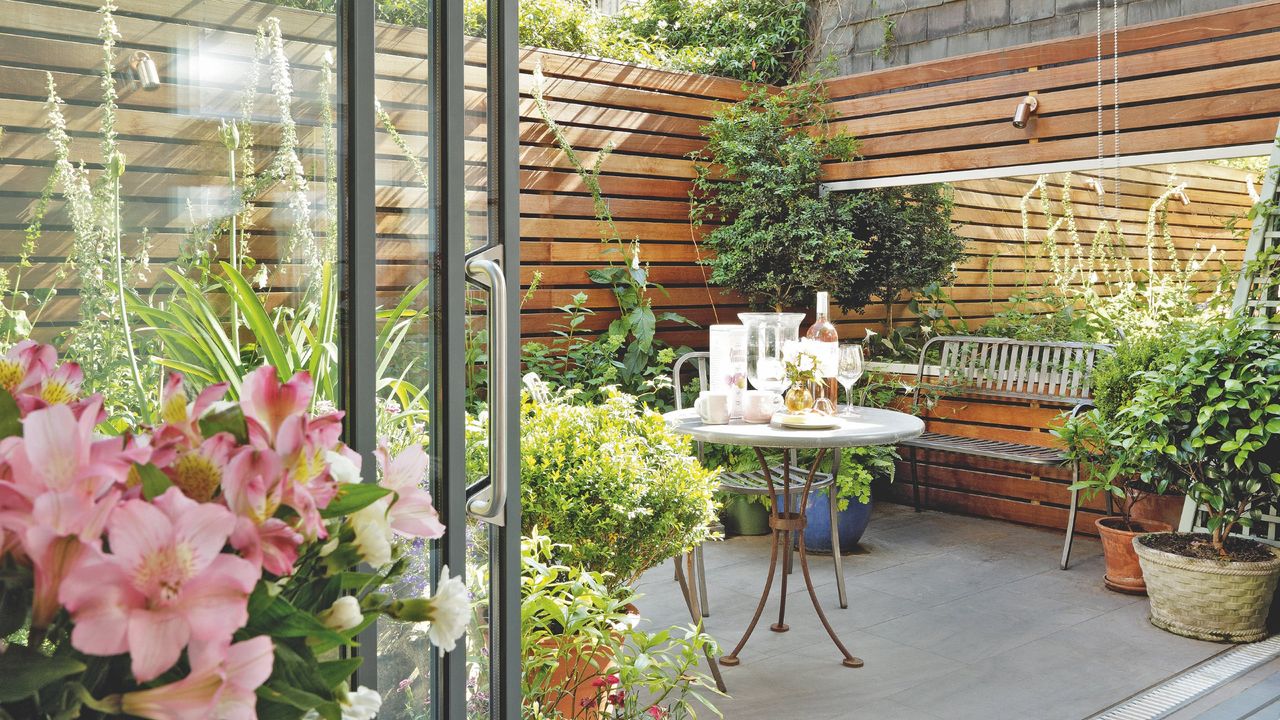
(203,527)
(156,640)
(137,529)
(215,602)
(97,593)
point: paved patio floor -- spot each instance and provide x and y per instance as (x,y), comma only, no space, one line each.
(956,618)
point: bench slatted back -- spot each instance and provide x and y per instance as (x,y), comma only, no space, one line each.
(1001,367)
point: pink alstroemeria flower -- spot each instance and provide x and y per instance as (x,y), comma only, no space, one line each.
(25,365)
(175,411)
(412,512)
(253,490)
(165,583)
(221,685)
(59,487)
(59,387)
(199,472)
(267,402)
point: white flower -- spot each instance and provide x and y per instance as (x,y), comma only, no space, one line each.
(373,532)
(450,610)
(363,704)
(341,468)
(870,333)
(344,614)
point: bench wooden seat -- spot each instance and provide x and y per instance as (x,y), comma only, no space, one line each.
(1005,369)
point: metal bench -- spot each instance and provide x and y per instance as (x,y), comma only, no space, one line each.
(754,483)
(1004,369)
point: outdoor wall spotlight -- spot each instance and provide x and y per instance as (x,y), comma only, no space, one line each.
(1026,108)
(142,69)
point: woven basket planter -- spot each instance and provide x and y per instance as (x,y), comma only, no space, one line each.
(1208,599)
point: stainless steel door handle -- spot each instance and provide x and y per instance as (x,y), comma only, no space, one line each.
(490,505)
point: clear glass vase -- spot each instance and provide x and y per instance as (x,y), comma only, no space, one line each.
(770,336)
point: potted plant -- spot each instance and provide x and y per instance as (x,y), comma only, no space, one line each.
(859,466)
(1207,422)
(1088,440)
(585,655)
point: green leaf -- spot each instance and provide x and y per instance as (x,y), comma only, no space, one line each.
(230,420)
(352,497)
(154,481)
(10,418)
(282,693)
(335,672)
(277,617)
(26,672)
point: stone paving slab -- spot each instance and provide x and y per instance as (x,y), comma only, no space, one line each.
(956,618)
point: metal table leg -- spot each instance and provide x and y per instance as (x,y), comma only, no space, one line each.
(688,588)
(784,522)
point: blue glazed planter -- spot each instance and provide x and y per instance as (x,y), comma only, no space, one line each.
(851,524)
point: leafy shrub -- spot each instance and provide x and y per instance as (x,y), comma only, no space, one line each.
(1114,383)
(782,239)
(611,481)
(909,239)
(569,613)
(1206,422)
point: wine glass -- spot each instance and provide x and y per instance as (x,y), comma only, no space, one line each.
(848,372)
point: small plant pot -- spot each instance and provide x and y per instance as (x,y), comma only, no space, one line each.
(851,523)
(741,516)
(576,677)
(1216,600)
(1124,573)
(1165,509)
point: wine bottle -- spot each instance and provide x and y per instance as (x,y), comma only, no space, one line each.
(825,342)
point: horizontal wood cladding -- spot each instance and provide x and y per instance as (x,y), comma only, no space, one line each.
(1201,81)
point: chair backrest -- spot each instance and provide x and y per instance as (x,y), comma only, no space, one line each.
(1001,367)
(701,361)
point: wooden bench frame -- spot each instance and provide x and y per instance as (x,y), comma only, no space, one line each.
(1006,369)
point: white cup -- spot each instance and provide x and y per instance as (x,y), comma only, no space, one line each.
(713,407)
(758,406)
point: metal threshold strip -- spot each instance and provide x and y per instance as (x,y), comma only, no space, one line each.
(1181,690)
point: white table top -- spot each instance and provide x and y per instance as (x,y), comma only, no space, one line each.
(872,427)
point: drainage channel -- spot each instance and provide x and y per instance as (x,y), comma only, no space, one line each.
(1181,690)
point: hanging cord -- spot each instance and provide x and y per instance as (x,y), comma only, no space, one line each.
(1115,113)
(1100,196)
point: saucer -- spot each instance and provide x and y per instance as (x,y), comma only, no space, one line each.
(805,421)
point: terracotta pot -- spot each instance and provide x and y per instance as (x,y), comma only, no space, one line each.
(1166,509)
(1216,600)
(575,672)
(1124,573)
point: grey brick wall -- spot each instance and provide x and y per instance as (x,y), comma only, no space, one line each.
(853,31)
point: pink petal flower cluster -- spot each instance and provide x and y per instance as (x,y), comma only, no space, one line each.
(156,574)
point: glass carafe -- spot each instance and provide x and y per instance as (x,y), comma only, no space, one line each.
(770,336)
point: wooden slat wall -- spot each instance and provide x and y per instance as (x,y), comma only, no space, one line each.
(988,215)
(1201,81)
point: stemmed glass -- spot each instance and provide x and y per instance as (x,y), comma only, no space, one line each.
(848,372)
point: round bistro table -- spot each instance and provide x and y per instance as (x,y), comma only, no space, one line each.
(871,426)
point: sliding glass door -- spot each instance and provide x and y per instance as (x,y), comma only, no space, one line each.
(322,185)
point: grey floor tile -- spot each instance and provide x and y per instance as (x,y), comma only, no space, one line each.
(955,617)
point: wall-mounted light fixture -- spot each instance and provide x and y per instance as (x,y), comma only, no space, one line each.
(1026,108)
(142,70)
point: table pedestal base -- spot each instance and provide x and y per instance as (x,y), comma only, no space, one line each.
(784,522)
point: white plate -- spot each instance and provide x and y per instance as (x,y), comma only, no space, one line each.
(805,421)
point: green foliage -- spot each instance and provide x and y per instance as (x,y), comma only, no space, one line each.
(909,239)
(760,174)
(613,482)
(570,614)
(1116,374)
(1206,422)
